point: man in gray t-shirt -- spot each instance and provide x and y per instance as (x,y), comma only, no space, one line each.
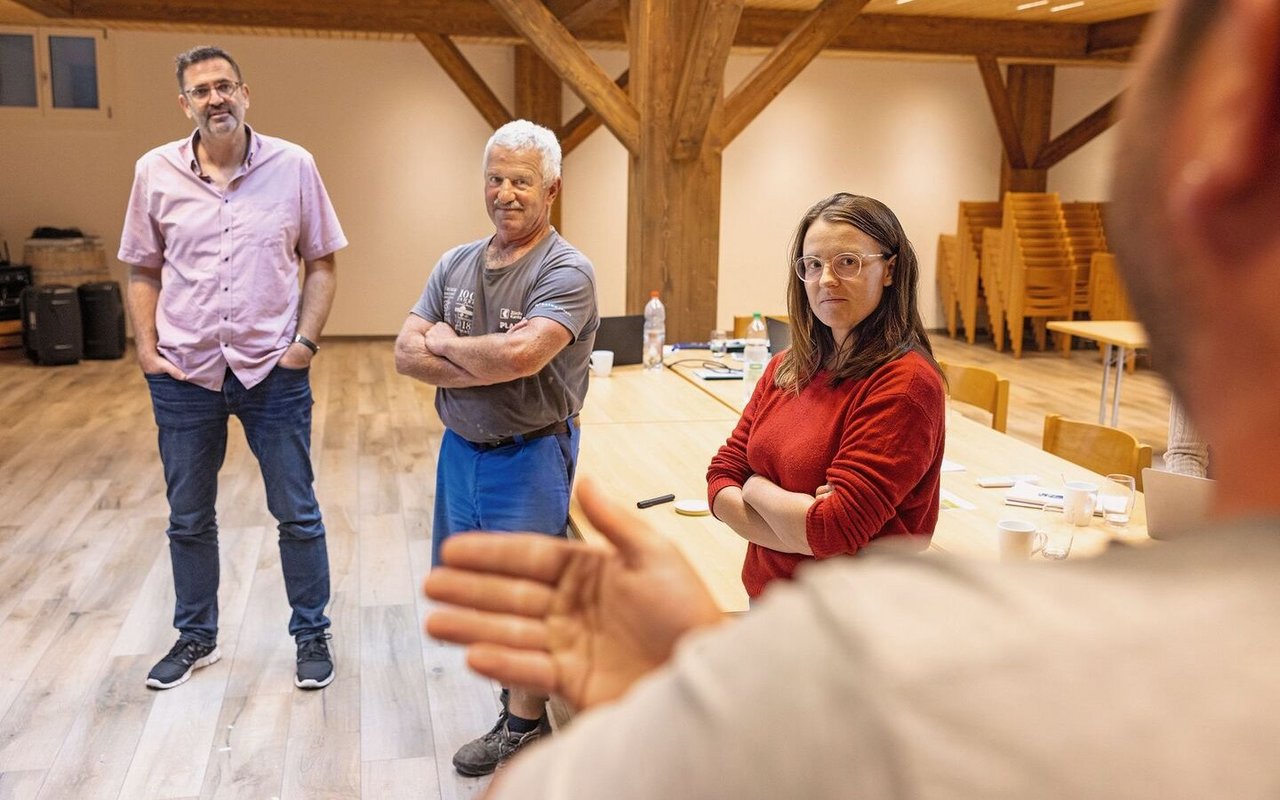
(504,330)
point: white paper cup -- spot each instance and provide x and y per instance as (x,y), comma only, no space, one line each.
(602,362)
(1019,539)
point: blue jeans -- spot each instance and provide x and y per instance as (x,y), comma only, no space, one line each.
(276,415)
(519,487)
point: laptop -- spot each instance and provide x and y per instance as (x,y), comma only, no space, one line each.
(779,335)
(1176,504)
(624,336)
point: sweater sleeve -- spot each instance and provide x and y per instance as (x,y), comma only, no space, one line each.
(886,472)
(730,465)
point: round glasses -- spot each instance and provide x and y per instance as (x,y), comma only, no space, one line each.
(203,92)
(846,266)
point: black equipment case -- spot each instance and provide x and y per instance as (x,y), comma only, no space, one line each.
(102,316)
(51,324)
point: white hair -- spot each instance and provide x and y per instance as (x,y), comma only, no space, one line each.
(521,134)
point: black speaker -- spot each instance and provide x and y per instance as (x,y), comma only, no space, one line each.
(51,324)
(102,316)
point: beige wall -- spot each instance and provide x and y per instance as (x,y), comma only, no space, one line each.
(399,149)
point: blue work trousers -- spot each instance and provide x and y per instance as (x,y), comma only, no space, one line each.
(276,415)
(523,486)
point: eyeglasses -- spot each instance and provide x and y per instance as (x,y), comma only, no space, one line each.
(846,266)
(224,88)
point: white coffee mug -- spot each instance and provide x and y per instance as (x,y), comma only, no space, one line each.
(1078,501)
(1019,539)
(602,362)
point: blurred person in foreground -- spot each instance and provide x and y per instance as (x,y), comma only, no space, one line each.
(841,442)
(1146,672)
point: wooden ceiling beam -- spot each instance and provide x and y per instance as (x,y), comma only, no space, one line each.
(1078,135)
(758,28)
(576,14)
(785,62)
(1002,109)
(456,66)
(701,82)
(1117,36)
(575,67)
(54,9)
(584,123)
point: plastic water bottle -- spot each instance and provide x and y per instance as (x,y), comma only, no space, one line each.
(655,332)
(755,354)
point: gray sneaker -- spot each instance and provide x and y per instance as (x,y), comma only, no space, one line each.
(484,755)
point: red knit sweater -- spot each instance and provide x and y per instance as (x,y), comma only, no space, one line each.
(877,441)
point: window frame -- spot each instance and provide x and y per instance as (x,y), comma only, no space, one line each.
(44,110)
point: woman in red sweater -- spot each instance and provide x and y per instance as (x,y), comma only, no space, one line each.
(841,442)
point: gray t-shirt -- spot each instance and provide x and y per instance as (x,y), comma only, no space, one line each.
(553,280)
(1147,672)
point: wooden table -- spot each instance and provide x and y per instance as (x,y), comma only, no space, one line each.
(647,434)
(1116,336)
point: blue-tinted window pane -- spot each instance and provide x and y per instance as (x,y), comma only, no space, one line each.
(74,70)
(17,70)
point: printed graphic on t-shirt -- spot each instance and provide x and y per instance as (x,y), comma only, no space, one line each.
(508,317)
(460,309)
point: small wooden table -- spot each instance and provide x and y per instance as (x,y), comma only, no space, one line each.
(1117,337)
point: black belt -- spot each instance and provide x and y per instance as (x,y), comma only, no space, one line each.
(550,430)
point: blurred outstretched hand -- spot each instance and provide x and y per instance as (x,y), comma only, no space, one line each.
(562,617)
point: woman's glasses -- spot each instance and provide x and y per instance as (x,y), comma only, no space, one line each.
(846,266)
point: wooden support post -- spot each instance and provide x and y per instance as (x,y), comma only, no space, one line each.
(1030,95)
(538,99)
(673,228)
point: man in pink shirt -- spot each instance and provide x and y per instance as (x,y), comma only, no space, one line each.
(215,228)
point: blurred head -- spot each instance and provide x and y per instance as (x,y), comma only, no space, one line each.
(1153,263)
(521,180)
(1196,199)
(212,93)
(851,325)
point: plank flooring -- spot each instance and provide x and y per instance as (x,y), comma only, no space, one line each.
(86,590)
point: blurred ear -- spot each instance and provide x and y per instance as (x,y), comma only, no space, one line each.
(1225,148)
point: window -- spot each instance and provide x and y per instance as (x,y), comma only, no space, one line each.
(52,73)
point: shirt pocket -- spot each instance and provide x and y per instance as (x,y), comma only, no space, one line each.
(262,223)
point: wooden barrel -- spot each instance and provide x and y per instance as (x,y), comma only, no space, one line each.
(69,261)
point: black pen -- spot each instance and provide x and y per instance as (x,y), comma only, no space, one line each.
(653,501)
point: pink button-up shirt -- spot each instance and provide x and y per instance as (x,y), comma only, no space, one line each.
(228,260)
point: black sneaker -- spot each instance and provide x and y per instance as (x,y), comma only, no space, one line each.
(484,755)
(315,665)
(186,656)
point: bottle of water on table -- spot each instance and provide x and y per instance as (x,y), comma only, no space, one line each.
(755,353)
(655,332)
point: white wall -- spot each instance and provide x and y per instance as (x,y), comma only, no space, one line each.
(399,148)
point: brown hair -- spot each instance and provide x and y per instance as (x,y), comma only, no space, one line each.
(891,331)
(203,53)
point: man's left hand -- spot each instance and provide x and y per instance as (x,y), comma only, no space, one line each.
(297,356)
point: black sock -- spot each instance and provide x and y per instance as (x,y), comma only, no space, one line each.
(520,724)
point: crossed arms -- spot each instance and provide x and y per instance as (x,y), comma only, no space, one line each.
(434,353)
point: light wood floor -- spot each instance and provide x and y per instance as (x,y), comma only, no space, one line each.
(86,591)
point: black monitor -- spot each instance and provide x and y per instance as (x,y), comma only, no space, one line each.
(624,336)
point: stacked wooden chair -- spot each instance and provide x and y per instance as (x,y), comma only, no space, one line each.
(1036,257)
(948,255)
(1086,236)
(971,290)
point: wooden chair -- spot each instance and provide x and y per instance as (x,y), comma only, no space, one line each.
(740,323)
(1096,447)
(979,387)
